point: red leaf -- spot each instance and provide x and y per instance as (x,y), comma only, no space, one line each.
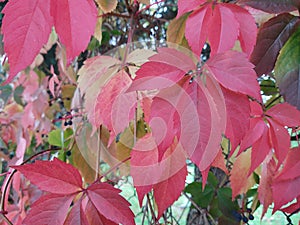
(187,6)
(271,37)
(233,71)
(217,25)
(285,114)
(280,140)
(52,176)
(260,149)
(293,207)
(285,191)
(210,105)
(26,27)
(144,167)
(76,215)
(110,204)
(291,168)
(75,23)
(163,70)
(107,108)
(238,116)
(265,195)
(247,28)
(49,209)
(94,217)
(169,190)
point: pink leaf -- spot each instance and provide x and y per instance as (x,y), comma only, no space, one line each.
(26,28)
(210,104)
(94,217)
(260,150)
(76,215)
(169,190)
(285,114)
(280,140)
(52,176)
(110,204)
(75,22)
(163,70)
(247,28)
(233,71)
(217,25)
(238,116)
(187,6)
(108,107)
(265,194)
(49,209)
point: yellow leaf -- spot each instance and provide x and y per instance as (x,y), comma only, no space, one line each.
(176,28)
(107,5)
(98,30)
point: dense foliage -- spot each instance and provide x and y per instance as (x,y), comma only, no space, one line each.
(95,93)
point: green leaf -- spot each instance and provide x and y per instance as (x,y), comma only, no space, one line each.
(201,198)
(268,87)
(287,69)
(18,94)
(59,138)
(226,205)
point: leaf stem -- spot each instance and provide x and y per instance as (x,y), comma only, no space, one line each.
(151,209)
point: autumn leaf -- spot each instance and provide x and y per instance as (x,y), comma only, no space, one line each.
(49,209)
(220,24)
(107,5)
(239,179)
(265,194)
(234,72)
(286,182)
(176,28)
(285,114)
(75,23)
(26,28)
(109,203)
(238,116)
(76,215)
(54,176)
(164,69)
(271,37)
(187,6)
(273,6)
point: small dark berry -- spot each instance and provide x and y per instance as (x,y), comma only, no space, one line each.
(70,122)
(68,153)
(245,219)
(66,123)
(251,217)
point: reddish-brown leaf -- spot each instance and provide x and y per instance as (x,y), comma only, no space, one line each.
(53,176)
(49,209)
(273,6)
(271,37)
(26,27)
(110,204)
